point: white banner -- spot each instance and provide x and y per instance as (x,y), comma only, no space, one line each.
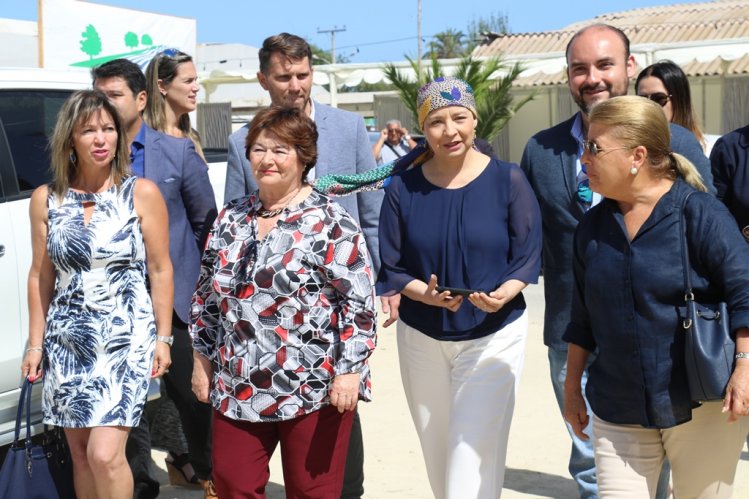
(85,34)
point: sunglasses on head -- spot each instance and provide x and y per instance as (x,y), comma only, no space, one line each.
(594,149)
(659,98)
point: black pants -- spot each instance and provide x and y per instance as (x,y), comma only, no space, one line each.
(138,452)
(353,477)
(195,417)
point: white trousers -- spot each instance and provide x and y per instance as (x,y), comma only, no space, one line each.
(462,395)
(703,454)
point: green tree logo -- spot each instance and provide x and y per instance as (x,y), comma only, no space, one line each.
(131,40)
(146,40)
(91,43)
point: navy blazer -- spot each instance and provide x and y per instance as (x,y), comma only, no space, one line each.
(342,147)
(549,162)
(182,177)
(730,163)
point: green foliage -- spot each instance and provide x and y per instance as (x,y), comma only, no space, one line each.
(320,56)
(409,89)
(91,43)
(447,44)
(494,103)
(495,23)
(146,40)
(131,40)
(380,86)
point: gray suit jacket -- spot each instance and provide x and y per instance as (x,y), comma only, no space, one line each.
(549,162)
(342,147)
(182,177)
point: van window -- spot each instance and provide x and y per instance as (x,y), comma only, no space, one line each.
(29,117)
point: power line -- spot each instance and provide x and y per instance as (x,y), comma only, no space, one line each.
(395,40)
(332,31)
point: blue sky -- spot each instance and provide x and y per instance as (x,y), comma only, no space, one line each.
(381,30)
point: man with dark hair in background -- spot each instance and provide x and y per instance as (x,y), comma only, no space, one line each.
(182,177)
(599,67)
(343,147)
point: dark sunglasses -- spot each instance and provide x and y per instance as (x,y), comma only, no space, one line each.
(659,98)
(594,149)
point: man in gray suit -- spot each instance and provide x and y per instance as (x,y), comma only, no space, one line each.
(342,147)
(599,66)
(182,177)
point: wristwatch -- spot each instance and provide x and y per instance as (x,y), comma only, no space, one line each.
(407,137)
(742,355)
(166,339)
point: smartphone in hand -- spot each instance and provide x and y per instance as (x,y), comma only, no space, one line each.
(457,291)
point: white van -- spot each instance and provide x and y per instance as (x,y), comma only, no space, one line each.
(29,102)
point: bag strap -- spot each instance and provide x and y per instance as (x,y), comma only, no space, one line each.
(688,294)
(24,400)
(399,155)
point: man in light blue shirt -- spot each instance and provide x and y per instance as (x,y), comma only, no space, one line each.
(393,143)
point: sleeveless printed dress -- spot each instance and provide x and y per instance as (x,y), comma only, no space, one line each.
(100,335)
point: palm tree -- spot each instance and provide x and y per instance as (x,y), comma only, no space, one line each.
(494,103)
(447,44)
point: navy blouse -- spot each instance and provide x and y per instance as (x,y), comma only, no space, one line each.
(629,302)
(476,237)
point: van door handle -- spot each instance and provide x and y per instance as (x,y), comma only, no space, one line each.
(2,250)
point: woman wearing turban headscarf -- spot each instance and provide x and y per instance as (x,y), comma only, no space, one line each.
(459,220)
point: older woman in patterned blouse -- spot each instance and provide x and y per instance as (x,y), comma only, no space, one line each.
(283,321)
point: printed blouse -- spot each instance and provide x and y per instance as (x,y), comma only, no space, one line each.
(280,317)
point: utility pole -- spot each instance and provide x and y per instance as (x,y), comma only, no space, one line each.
(418,42)
(332,31)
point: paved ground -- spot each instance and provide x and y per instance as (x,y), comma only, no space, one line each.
(538,448)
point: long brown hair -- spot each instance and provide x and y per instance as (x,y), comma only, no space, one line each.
(164,67)
(676,84)
(77,110)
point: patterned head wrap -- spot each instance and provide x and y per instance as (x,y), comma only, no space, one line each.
(442,92)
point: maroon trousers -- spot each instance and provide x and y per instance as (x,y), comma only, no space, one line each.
(313,453)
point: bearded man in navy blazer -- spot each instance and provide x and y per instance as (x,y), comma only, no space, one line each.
(599,66)
(342,147)
(182,177)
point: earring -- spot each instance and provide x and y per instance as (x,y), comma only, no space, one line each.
(633,170)
(73,158)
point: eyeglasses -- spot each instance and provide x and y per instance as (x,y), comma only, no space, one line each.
(594,149)
(659,98)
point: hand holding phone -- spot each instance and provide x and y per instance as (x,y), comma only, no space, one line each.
(457,291)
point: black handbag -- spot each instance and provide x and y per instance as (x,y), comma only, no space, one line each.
(36,471)
(708,347)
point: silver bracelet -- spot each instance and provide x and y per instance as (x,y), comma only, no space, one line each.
(742,355)
(34,349)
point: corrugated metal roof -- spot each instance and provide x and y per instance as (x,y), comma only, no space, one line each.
(714,67)
(685,22)
(706,38)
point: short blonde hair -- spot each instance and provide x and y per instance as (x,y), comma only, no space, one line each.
(76,111)
(637,121)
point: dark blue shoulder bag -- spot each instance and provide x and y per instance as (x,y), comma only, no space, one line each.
(36,471)
(709,347)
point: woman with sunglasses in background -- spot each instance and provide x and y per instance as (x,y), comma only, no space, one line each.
(172,94)
(666,84)
(629,285)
